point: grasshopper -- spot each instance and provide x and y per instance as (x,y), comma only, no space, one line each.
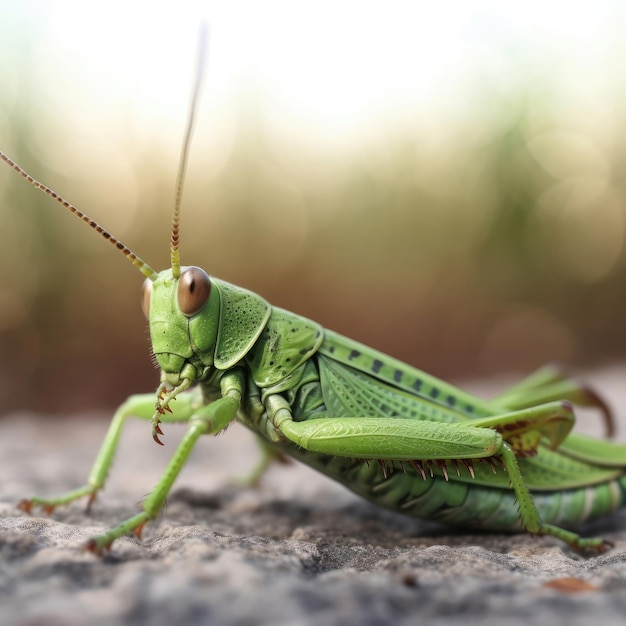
(388,431)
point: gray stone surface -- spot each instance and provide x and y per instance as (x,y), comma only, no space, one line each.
(299,550)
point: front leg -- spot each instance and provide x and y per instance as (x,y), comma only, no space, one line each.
(138,406)
(206,420)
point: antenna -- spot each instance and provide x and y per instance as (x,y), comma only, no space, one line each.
(184,155)
(144,268)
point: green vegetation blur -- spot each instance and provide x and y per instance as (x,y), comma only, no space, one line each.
(478,237)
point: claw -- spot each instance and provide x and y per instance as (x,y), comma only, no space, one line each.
(138,530)
(90,501)
(155,436)
(156,430)
(605,546)
(587,546)
(93,546)
(26,506)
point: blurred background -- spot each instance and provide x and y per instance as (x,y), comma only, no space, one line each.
(444,181)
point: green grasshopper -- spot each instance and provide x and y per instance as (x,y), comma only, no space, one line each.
(389,432)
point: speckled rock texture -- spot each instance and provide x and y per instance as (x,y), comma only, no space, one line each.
(298,550)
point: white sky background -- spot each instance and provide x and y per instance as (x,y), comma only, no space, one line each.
(327,68)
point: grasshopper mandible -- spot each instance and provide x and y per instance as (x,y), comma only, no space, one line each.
(389,432)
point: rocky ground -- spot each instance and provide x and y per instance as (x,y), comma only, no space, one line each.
(299,550)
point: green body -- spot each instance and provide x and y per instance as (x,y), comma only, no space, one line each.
(342,378)
(387,431)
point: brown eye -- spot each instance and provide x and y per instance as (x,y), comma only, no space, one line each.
(194,288)
(146,292)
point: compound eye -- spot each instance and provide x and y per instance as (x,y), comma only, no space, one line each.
(194,289)
(146,293)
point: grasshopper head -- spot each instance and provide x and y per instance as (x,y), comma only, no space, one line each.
(184,315)
(183,312)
